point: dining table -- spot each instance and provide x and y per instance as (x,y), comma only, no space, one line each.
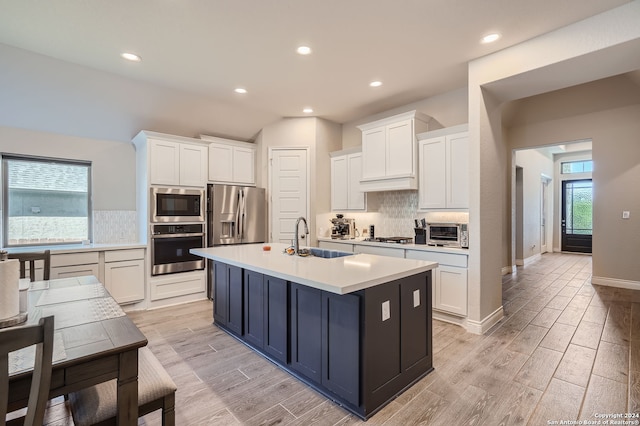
(94,341)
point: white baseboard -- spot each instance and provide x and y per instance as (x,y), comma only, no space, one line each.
(481,327)
(451,319)
(615,282)
(475,327)
(507,270)
(528,260)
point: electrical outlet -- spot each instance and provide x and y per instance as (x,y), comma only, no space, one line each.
(416,298)
(626,214)
(386,310)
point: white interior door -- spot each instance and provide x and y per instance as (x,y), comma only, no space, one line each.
(289,178)
(544,213)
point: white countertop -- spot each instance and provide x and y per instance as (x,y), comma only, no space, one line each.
(409,246)
(339,275)
(75,248)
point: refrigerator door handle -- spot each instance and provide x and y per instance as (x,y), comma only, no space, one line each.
(242,215)
(238,224)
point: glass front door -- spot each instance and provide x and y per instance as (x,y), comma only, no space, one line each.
(577,215)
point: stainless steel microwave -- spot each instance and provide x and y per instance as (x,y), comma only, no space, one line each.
(448,234)
(177,205)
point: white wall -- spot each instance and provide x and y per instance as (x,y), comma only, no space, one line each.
(113,163)
(112,180)
(534,164)
(592,49)
(615,154)
(42,93)
(320,137)
(447,109)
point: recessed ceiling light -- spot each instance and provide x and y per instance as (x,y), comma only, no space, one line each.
(303,50)
(307,110)
(375,83)
(240,90)
(131,57)
(490,38)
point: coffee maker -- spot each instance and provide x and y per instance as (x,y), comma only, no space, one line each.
(343,228)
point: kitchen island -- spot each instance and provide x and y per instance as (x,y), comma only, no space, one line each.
(356,328)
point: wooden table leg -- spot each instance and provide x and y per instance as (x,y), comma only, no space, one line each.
(128,388)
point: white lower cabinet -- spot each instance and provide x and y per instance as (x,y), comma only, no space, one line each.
(175,285)
(121,271)
(124,275)
(75,265)
(450,289)
(449,279)
(449,285)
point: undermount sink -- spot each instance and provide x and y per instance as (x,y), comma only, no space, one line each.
(328,254)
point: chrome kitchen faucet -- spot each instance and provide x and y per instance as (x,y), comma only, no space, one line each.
(296,244)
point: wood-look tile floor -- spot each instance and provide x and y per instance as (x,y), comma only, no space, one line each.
(566,350)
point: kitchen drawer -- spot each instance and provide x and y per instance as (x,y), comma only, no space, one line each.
(330,245)
(123,255)
(175,285)
(74,271)
(70,259)
(380,251)
(450,259)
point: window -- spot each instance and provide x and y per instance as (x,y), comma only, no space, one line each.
(585,166)
(45,200)
(578,201)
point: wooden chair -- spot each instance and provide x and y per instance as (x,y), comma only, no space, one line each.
(31,259)
(14,338)
(97,405)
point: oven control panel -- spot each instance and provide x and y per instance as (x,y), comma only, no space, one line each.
(192,228)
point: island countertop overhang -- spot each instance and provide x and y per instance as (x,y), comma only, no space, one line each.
(340,275)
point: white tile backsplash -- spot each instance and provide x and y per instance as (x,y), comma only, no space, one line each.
(114,226)
(394,218)
(398,210)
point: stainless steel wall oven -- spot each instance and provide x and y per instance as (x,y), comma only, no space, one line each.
(170,245)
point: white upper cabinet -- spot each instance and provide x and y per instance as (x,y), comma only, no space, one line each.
(346,170)
(173,162)
(193,165)
(220,162)
(389,152)
(164,162)
(231,161)
(432,153)
(458,172)
(375,142)
(444,169)
(400,146)
(357,200)
(339,179)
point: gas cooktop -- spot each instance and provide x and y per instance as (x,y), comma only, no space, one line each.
(395,240)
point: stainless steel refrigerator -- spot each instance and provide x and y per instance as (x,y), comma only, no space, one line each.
(235,215)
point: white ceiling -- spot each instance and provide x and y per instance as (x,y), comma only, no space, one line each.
(417,48)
